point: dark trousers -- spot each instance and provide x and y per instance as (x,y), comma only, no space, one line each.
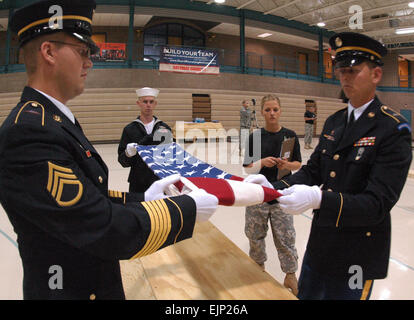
(315,286)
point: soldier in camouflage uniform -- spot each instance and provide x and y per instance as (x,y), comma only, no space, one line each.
(246,119)
(268,162)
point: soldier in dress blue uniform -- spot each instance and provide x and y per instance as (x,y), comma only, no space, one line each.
(351,181)
(54,184)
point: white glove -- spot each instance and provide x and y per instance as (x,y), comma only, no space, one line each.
(258,179)
(300,198)
(131,149)
(206,204)
(156,190)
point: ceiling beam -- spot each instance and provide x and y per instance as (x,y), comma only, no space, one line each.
(321,8)
(368,11)
(282,7)
(391,40)
(379,20)
(245,4)
(388,33)
(381,32)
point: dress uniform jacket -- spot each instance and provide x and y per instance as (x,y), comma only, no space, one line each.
(54,188)
(362,173)
(140,176)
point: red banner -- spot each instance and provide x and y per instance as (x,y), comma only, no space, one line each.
(111,52)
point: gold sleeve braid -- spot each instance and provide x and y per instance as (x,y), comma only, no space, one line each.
(285,183)
(116,194)
(160,218)
(340,209)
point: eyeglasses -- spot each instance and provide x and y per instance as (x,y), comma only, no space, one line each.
(84,52)
(347,70)
(148,101)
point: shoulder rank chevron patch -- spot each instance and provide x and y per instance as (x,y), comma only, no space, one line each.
(64,185)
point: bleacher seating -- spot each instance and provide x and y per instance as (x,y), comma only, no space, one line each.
(226,107)
(103,113)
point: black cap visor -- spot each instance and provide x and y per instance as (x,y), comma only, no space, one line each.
(87,40)
(351,58)
(348,61)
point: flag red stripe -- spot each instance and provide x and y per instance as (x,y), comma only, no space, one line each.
(223,191)
(270,194)
(179,185)
(219,187)
(236,178)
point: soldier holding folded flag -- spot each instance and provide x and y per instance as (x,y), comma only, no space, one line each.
(351,181)
(54,184)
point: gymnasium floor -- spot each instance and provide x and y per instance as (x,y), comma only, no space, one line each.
(230,220)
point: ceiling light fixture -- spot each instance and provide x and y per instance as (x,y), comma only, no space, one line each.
(404,31)
(219,1)
(321,24)
(264,35)
(411,4)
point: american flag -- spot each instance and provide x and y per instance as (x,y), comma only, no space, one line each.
(167,159)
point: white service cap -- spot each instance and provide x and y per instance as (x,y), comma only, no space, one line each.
(147,92)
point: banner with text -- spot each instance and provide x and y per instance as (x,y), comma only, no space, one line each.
(189,60)
(110,52)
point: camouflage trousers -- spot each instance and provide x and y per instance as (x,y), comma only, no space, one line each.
(243,138)
(284,235)
(308,133)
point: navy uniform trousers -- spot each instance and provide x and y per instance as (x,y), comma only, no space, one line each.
(54,189)
(362,173)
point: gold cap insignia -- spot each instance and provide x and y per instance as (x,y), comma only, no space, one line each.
(338,42)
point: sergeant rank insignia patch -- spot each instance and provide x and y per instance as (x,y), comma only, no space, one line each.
(63,185)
